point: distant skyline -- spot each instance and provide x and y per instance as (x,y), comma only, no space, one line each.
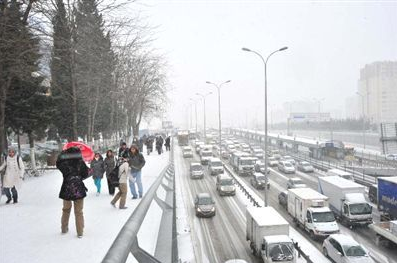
(328,43)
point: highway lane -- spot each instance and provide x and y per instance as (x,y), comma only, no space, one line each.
(222,237)
(364,236)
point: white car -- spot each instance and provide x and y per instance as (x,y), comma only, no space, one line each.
(344,249)
(286,167)
(295,182)
(272,161)
(391,157)
(305,167)
(288,158)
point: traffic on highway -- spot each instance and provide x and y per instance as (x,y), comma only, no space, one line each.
(289,212)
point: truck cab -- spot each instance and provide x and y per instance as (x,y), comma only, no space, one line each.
(356,210)
(320,222)
(205,156)
(215,166)
(245,166)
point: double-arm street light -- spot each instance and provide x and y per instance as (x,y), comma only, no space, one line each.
(219,111)
(195,110)
(204,96)
(265,109)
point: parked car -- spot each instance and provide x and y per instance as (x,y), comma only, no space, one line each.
(215,166)
(295,182)
(283,199)
(187,152)
(272,161)
(288,158)
(258,181)
(225,185)
(286,167)
(344,249)
(305,167)
(196,171)
(204,205)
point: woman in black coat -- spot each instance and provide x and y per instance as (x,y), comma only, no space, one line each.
(74,170)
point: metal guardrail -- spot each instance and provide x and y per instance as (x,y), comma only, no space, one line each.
(126,241)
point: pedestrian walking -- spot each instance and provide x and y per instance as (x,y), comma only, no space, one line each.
(149,144)
(123,151)
(13,169)
(110,164)
(122,193)
(140,144)
(97,170)
(136,162)
(159,144)
(73,191)
(167,143)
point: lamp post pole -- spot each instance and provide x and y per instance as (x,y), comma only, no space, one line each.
(363,116)
(265,110)
(195,111)
(219,112)
(204,96)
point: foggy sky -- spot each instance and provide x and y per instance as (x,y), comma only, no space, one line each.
(328,43)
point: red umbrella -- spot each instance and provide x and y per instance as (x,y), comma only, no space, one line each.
(86,151)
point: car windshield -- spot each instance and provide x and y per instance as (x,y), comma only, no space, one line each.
(261,178)
(246,162)
(197,168)
(281,252)
(287,165)
(227,182)
(205,201)
(354,251)
(323,217)
(206,154)
(360,209)
(306,164)
(216,164)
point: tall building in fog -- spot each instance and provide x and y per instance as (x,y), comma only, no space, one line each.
(378,86)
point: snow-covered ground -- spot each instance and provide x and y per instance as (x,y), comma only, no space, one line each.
(30,231)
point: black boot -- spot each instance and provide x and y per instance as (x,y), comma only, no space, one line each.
(8,201)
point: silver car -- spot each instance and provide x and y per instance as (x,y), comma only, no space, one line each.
(305,167)
(204,205)
(295,182)
(286,167)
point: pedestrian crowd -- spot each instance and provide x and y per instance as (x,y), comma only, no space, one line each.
(121,170)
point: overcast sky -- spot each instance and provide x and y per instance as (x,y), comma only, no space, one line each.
(328,42)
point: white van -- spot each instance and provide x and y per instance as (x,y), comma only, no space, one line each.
(340,173)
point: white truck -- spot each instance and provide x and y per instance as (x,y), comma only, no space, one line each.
(268,234)
(310,210)
(340,173)
(346,200)
(242,163)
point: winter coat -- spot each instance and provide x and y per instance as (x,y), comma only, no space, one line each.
(136,162)
(74,171)
(98,168)
(13,174)
(123,152)
(140,144)
(123,173)
(109,164)
(167,141)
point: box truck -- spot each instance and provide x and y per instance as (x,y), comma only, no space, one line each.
(386,231)
(310,210)
(242,163)
(346,200)
(268,234)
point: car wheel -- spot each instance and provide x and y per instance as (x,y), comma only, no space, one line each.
(325,252)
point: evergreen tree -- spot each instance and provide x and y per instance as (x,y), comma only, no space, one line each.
(61,74)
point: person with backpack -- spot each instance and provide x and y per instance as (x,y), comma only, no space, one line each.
(13,176)
(123,171)
(73,191)
(97,170)
(136,163)
(109,164)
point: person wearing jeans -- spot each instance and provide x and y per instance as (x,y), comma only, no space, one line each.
(136,161)
(14,169)
(98,168)
(122,193)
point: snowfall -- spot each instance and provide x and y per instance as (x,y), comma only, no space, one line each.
(30,231)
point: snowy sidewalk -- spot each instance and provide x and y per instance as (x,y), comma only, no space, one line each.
(30,231)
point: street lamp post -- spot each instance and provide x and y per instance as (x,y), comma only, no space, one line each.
(219,112)
(265,109)
(319,113)
(195,111)
(204,96)
(363,116)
